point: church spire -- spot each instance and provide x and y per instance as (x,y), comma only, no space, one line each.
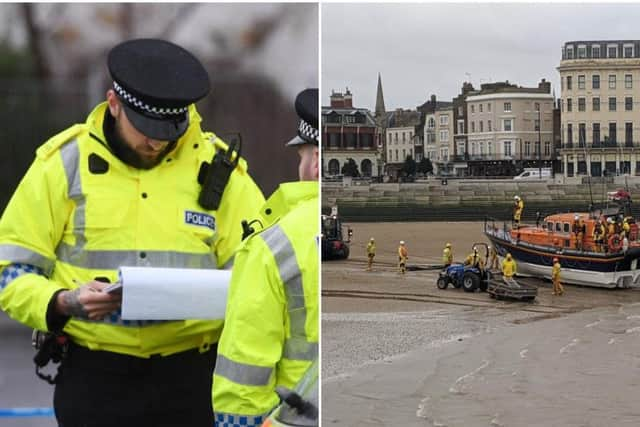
(380,110)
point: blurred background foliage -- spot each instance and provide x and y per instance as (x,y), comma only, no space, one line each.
(53,72)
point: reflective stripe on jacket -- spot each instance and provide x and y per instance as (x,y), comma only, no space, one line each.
(80,213)
(270,336)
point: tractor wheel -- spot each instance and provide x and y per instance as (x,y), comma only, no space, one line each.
(345,252)
(442,283)
(470,282)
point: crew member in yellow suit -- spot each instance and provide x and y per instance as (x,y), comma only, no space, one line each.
(447,255)
(403,256)
(558,289)
(509,269)
(518,207)
(371,253)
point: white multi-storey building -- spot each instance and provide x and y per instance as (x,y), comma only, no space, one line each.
(600,83)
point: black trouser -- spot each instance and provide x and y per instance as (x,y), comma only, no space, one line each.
(100,389)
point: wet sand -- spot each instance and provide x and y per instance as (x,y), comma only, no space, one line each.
(398,351)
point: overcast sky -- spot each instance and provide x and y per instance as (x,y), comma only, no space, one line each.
(424,49)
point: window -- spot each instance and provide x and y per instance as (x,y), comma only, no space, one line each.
(507,125)
(536,125)
(488,125)
(431,123)
(473,109)
(473,127)
(537,149)
(628,51)
(480,108)
(628,134)
(612,81)
(612,103)
(596,104)
(481,145)
(489,108)
(444,120)
(507,107)
(507,148)
(444,135)
(403,137)
(547,148)
(595,81)
(481,130)
(569,134)
(460,111)
(527,148)
(460,126)
(404,154)
(569,85)
(595,52)
(612,51)
(582,104)
(349,119)
(536,106)
(596,134)
(570,53)
(582,52)
(489,147)
(582,134)
(396,137)
(628,103)
(580,82)
(612,133)
(396,155)
(569,105)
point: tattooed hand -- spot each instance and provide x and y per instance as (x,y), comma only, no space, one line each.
(88,301)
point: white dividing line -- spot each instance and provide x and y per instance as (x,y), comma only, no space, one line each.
(632,330)
(523,353)
(611,341)
(591,325)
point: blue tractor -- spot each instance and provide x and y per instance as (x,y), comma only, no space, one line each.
(469,277)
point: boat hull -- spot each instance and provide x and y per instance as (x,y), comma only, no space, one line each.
(578,268)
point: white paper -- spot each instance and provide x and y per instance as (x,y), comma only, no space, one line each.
(173,293)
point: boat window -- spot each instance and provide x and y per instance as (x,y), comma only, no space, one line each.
(566,227)
(550,226)
(558,226)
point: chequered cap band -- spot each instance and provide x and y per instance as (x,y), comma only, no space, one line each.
(307,132)
(135,102)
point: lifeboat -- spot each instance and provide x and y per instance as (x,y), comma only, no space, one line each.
(611,264)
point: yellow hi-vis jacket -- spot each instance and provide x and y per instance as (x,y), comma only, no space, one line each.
(555,271)
(371,249)
(509,267)
(270,335)
(75,222)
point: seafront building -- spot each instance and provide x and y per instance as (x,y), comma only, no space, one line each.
(600,90)
(348,133)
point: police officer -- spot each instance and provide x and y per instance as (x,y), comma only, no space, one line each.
(122,189)
(270,335)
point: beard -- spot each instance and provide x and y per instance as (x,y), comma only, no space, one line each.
(124,152)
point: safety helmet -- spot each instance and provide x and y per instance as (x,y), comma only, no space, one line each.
(372,239)
(448,245)
(508,256)
(402,242)
(577,217)
(555,260)
(516,197)
(610,220)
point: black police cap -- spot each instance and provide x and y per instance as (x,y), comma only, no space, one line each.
(157,81)
(307,109)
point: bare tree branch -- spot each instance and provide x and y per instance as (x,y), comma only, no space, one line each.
(34,36)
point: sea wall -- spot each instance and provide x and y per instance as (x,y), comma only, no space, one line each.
(467,200)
